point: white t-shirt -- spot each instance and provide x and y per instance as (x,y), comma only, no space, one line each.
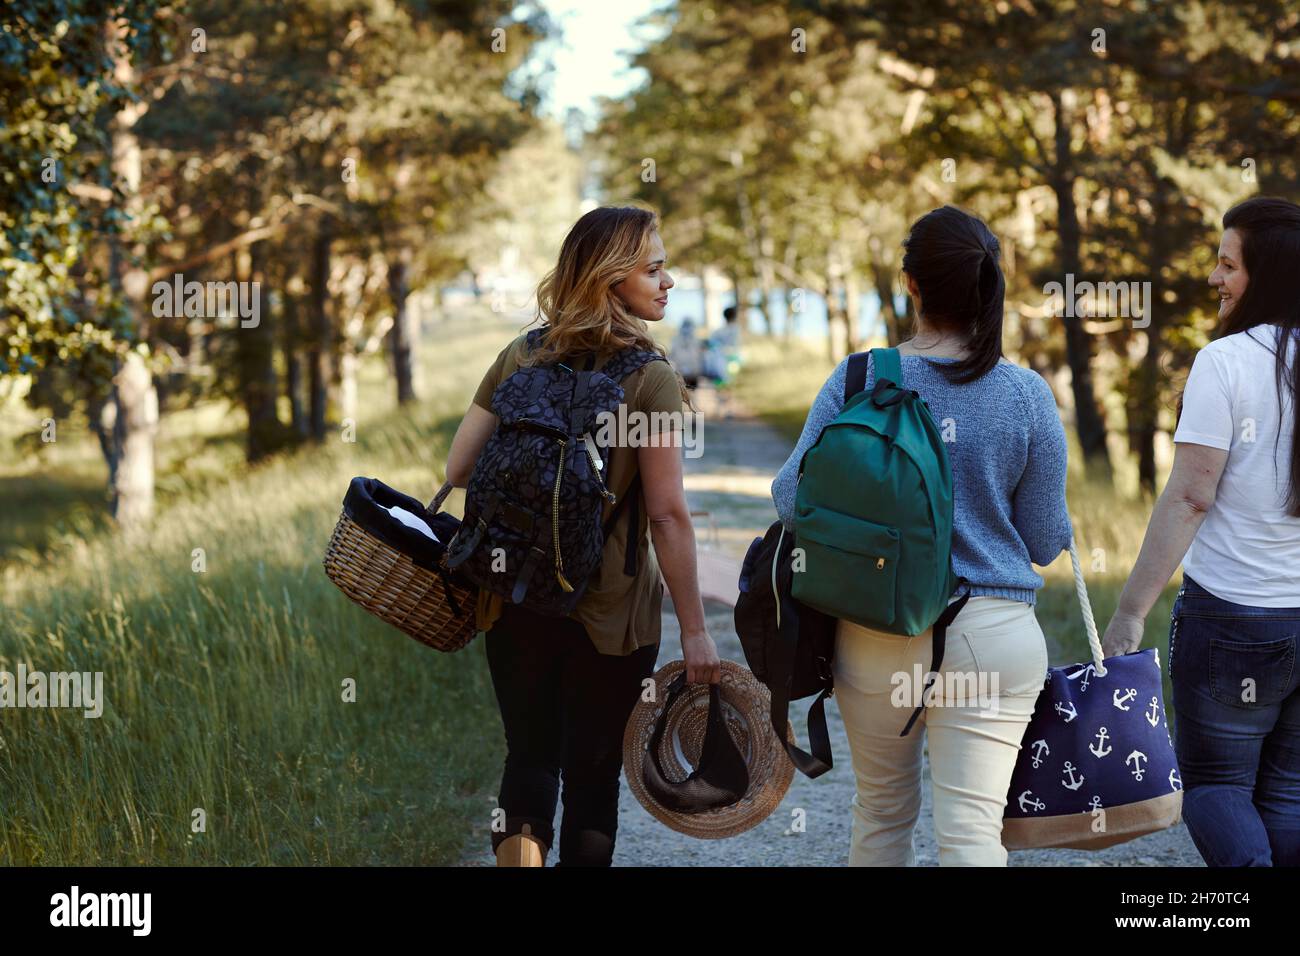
(1247,550)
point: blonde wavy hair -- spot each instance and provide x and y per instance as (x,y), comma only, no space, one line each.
(577,297)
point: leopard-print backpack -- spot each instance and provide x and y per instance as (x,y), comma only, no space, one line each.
(532,531)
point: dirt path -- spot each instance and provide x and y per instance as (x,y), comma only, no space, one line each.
(732,481)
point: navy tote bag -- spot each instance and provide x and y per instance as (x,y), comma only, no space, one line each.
(1096,765)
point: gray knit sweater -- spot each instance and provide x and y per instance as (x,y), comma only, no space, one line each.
(1007,449)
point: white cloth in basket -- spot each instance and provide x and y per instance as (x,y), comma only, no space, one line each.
(412,521)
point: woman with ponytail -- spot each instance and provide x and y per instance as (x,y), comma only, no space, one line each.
(1230,513)
(1007,451)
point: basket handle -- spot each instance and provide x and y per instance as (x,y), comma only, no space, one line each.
(1089,624)
(439,498)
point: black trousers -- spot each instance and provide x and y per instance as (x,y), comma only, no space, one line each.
(564,706)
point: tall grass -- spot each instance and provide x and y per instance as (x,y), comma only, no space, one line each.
(224,687)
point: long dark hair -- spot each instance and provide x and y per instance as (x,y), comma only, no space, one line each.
(953,258)
(1270,252)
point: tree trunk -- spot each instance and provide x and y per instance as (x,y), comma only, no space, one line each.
(882,282)
(255,348)
(1147,418)
(134,400)
(852,300)
(134,428)
(834,317)
(766,271)
(888,313)
(742,310)
(348,363)
(1078,347)
(101,412)
(400,336)
(764,307)
(749,228)
(790,262)
(293,370)
(322,338)
(196,349)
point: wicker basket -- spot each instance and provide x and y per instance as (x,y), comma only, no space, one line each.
(426,605)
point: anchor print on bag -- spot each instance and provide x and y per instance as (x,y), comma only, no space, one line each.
(1121,700)
(1153,711)
(1030,803)
(1085,672)
(1072,726)
(1100,748)
(1098,740)
(1136,758)
(1041,750)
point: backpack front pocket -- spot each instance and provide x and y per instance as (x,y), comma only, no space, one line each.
(849,566)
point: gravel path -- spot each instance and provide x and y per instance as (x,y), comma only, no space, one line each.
(731,481)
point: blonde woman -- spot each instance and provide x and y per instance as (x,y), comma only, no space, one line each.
(566,686)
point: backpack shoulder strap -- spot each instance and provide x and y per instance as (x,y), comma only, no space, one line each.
(888,365)
(855,376)
(628,361)
(534,338)
(618,368)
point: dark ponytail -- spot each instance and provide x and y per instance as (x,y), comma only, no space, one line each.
(952,257)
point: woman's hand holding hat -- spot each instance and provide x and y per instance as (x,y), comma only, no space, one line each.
(701,656)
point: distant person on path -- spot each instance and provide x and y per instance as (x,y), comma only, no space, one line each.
(566,686)
(688,354)
(1230,513)
(1008,457)
(722,359)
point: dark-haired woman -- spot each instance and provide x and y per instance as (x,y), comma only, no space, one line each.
(566,686)
(1230,513)
(1006,446)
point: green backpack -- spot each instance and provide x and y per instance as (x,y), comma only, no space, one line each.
(873,513)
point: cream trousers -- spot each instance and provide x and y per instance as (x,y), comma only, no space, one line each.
(995,660)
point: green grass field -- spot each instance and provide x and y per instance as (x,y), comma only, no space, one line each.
(224,687)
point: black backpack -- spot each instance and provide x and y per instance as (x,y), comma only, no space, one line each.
(789,646)
(532,529)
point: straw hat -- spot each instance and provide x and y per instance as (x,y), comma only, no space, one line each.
(744,707)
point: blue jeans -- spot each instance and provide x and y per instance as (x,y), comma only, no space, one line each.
(1237,727)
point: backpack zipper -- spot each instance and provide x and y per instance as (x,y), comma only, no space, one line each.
(595,470)
(555,519)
